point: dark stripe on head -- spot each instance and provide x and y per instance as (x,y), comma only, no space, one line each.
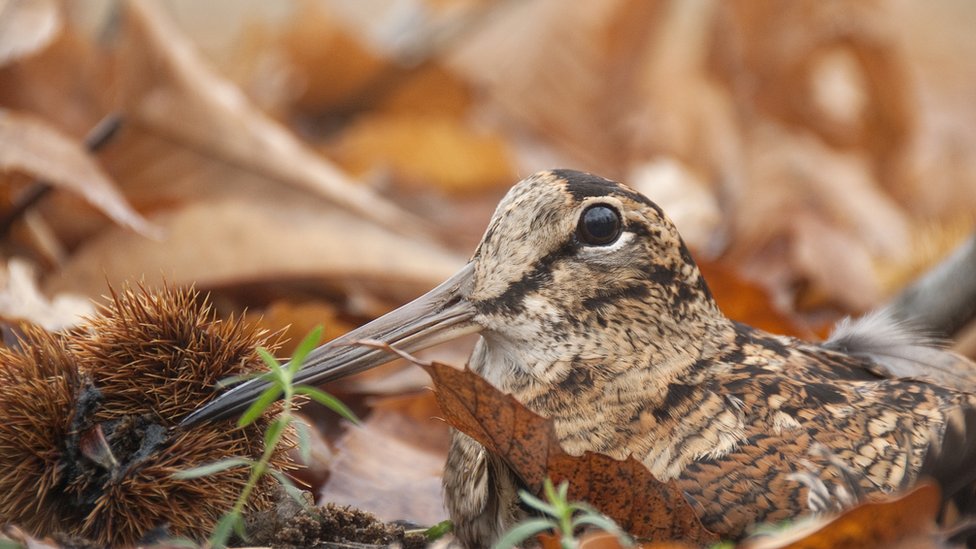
(584,185)
(605,296)
(511,300)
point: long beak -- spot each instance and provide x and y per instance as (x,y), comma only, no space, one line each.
(440,315)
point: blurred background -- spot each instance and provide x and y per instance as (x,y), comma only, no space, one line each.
(322,161)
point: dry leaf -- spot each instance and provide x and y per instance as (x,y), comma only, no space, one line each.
(20,299)
(298,319)
(813,214)
(431,89)
(425,150)
(747,302)
(29,145)
(606,540)
(253,238)
(682,113)
(789,52)
(834,263)
(174,93)
(69,82)
(393,464)
(904,521)
(161,175)
(26,26)
(567,74)
(332,63)
(686,198)
(623,490)
(314,471)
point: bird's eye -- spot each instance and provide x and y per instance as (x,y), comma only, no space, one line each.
(599,225)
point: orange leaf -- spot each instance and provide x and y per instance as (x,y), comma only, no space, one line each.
(623,490)
(903,520)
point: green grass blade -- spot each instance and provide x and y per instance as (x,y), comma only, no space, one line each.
(212,468)
(303,431)
(523,531)
(227,525)
(537,503)
(273,434)
(327,400)
(279,372)
(562,490)
(259,406)
(305,347)
(605,524)
(439,530)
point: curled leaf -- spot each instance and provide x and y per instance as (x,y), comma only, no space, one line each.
(625,491)
(901,520)
(31,146)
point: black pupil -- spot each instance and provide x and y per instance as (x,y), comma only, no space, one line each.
(599,225)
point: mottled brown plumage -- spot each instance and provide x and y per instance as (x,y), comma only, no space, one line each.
(612,333)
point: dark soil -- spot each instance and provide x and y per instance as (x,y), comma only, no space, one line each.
(291,526)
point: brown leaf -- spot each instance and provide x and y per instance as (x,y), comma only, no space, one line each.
(426,150)
(173,92)
(26,26)
(605,540)
(253,238)
(748,302)
(790,52)
(393,464)
(163,173)
(314,471)
(21,299)
(29,145)
(902,520)
(831,244)
(623,490)
(297,319)
(568,74)
(334,64)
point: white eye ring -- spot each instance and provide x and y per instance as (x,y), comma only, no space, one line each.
(621,241)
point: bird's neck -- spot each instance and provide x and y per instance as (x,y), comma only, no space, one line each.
(648,352)
(637,372)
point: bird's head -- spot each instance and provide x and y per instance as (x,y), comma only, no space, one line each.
(573,269)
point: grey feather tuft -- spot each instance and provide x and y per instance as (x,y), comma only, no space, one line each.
(900,352)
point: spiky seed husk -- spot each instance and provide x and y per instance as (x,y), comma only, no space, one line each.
(107,433)
(38,385)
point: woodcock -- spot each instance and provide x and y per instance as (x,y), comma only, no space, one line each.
(592,312)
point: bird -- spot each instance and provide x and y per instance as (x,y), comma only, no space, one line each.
(592,312)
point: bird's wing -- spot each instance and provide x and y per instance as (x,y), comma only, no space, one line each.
(896,351)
